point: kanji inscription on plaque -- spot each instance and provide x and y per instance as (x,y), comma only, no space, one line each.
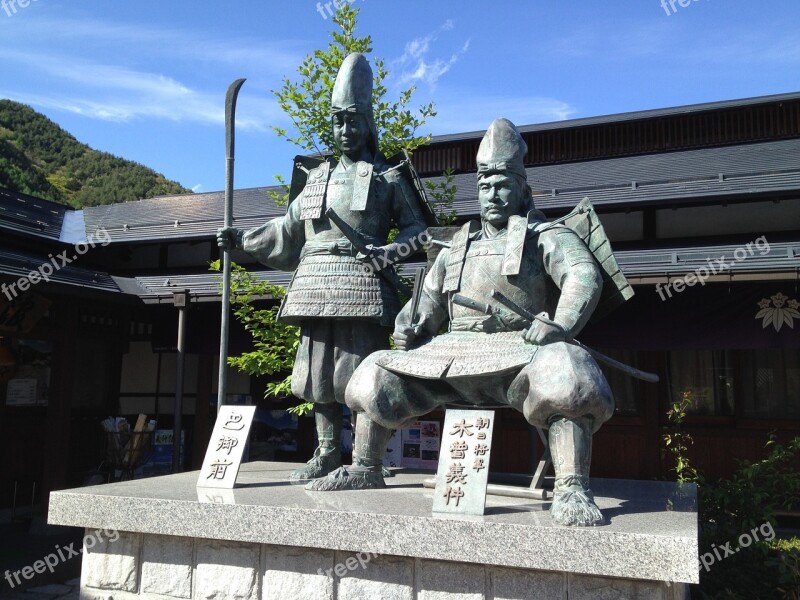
(226,447)
(463,472)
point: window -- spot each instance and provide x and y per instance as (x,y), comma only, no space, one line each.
(771,383)
(625,388)
(705,378)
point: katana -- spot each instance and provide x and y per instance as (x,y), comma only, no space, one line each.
(388,274)
(230,139)
(607,360)
(419,283)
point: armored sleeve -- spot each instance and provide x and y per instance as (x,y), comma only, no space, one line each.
(574,271)
(278,242)
(432,309)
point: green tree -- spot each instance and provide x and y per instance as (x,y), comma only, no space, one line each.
(274,343)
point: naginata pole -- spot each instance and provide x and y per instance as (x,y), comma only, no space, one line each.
(230,124)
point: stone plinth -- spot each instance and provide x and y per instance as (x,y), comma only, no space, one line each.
(270,539)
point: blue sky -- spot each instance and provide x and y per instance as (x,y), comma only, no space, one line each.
(146,80)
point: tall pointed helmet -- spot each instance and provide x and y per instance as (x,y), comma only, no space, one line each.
(352,92)
(502,150)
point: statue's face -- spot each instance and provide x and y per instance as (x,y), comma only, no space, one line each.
(500,198)
(351,134)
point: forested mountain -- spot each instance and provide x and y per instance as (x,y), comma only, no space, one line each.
(39,158)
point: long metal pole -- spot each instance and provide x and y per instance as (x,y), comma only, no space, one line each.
(230,139)
(178,413)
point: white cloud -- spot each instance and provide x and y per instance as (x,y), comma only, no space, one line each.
(197,188)
(172,44)
(115,93)
(416,64)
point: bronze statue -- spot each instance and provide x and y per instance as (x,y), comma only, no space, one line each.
(343,300)
(499,358)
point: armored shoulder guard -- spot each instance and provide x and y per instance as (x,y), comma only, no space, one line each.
(583,220)
(311,175)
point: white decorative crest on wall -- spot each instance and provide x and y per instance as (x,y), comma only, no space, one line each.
(776,310)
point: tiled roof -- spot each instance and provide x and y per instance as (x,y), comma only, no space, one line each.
(628,116)
(689,176)
(783,257)
(25,214)
(183,216)
(780,258)
(20,264)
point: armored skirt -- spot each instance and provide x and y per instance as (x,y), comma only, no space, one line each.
(477,369)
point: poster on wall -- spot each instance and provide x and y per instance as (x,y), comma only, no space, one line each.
(419,445)
(277,429)
(21,392)
(26,371)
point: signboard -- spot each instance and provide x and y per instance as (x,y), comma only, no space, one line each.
(420,443)
(463,472)
(226,447)
(21,392)
(161,461)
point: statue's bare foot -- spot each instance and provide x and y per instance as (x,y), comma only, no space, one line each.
(386,472)
(319,466)
(576,508)
(349,478)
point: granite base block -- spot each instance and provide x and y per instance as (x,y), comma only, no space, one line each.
(269,539)
(167,566)
(111,565)
(297,573)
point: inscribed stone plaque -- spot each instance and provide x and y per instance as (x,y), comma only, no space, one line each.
(225,449)
(463,472)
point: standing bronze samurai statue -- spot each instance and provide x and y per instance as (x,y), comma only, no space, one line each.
(494,357)
(342,299)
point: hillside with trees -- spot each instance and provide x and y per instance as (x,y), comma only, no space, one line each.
(39,158)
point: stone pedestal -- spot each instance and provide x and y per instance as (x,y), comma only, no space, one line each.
(163,539)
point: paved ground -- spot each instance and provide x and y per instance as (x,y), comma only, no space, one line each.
(23,542)
(69,590)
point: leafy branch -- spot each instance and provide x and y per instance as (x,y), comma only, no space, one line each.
(274,343)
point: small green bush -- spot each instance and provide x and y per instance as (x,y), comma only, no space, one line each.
(744,504)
